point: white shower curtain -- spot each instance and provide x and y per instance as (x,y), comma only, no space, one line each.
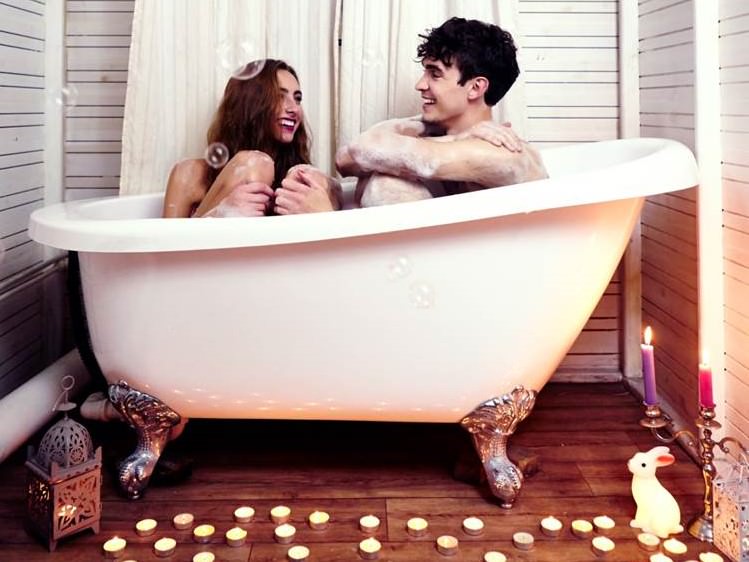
(183,51)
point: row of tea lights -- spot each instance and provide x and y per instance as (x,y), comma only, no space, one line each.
(369,548)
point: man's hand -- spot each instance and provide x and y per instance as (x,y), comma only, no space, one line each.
(245,200)
(494,133)
(306,189)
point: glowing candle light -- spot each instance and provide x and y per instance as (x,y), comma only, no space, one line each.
(203,533)
(602,545)
(114,547)
(297,553)
(183,521)
(473,526)
(417,526)
(369,549)
(244,514)
(660,557)
(603,524)
(674,546)
(204,557)
(284,533)
(318,520)
(551,526)
(280,514)
(164,547)
(582,528)
(494,556)
(369,523)
(648,369)
(706,383)
(447,545)
(236,536)
(710,557)
(523,541)
(648,542)
(145,527)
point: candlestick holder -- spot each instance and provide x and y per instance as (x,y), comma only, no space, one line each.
(657,421)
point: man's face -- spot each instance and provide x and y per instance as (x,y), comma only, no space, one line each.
(443,99)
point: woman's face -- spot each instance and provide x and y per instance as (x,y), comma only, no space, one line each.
(290,113)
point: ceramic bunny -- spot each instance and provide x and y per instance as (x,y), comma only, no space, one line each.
(657,510)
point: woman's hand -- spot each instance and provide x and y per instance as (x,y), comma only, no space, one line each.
(305,189)
(251,199)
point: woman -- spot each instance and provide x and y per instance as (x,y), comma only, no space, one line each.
(260,123)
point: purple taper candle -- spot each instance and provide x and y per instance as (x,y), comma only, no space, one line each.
(648,369)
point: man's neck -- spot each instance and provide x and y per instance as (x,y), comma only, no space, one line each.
(468,119)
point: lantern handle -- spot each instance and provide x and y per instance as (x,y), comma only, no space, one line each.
(62,404)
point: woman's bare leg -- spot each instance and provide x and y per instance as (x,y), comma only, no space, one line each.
(186,187)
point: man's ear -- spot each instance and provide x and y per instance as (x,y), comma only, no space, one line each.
(478,88)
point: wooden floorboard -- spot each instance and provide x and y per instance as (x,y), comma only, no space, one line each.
(582,433)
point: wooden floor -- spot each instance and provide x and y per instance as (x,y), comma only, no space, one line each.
(584,435)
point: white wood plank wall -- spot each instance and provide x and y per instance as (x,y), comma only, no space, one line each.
(97,41)
(669,223)
(569,57)
(22,104)
(734,78)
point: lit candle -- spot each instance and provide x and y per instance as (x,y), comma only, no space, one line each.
(447,545)
(203,533)
(674,546)
(297,553)
(369,523)
(114,547)
(473,526)
(551,526)
(416,526)
(244,514)
(284,533)
(706,384)
(494,556)
(602,545)
(582,528)
(204,557)
(710,557)
(183,521)
(318,520)
(164,547)
(236,536)
(522,540)
(280,514)
(648,542)
(648,369)
(603,524)
(369,549)
(145,527)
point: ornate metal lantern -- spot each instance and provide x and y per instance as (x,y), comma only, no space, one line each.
(731,511)
(63,489)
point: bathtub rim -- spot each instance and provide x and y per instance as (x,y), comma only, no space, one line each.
(660,165)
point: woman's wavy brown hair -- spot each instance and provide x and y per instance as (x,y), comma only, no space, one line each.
(246,117)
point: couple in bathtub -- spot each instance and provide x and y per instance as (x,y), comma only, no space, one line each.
(452,147)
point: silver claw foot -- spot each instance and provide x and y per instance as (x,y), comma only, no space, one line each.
(491,425)
(153,421)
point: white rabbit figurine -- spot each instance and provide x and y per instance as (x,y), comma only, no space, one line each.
(657,510)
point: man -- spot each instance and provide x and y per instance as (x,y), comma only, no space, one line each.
(453,146)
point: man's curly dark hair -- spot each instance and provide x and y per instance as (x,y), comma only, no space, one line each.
(477,49)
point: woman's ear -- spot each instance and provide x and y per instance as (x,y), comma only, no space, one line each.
(478,87)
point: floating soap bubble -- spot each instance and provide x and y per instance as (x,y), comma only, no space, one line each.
(249,70)
(422,295)
(67,96)
(233,56)
(399,268)
(216,155)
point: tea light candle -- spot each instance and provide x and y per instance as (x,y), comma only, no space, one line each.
(369,549)
(318,520)
(114,547)
(284,533)
(710,557)
(582,528)
(183,521)
(236,536)
(280,514)
(244,514)
(648,542)
(603,524)
(674,546)
(204,557)
(602,545)
(473,526)
(203,533)
(164,547)
(494,556)
(145,527)
(660,557)
(447,545)
(417,526)
(551,526)
(369,523)
(297,553)
(522,540)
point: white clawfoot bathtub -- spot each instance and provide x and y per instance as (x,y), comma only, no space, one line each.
(419,311)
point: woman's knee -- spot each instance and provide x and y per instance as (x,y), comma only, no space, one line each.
(191,171)
(253,165)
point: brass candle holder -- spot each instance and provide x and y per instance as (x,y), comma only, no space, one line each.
(701,526)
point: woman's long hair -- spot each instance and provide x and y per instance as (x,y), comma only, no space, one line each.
(246,118)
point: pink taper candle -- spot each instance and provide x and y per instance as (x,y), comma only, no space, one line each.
(648,369)
(706,384)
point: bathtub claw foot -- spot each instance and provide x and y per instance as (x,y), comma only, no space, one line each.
(491,424)
(153,422)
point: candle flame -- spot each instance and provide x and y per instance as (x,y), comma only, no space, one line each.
(648,335)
